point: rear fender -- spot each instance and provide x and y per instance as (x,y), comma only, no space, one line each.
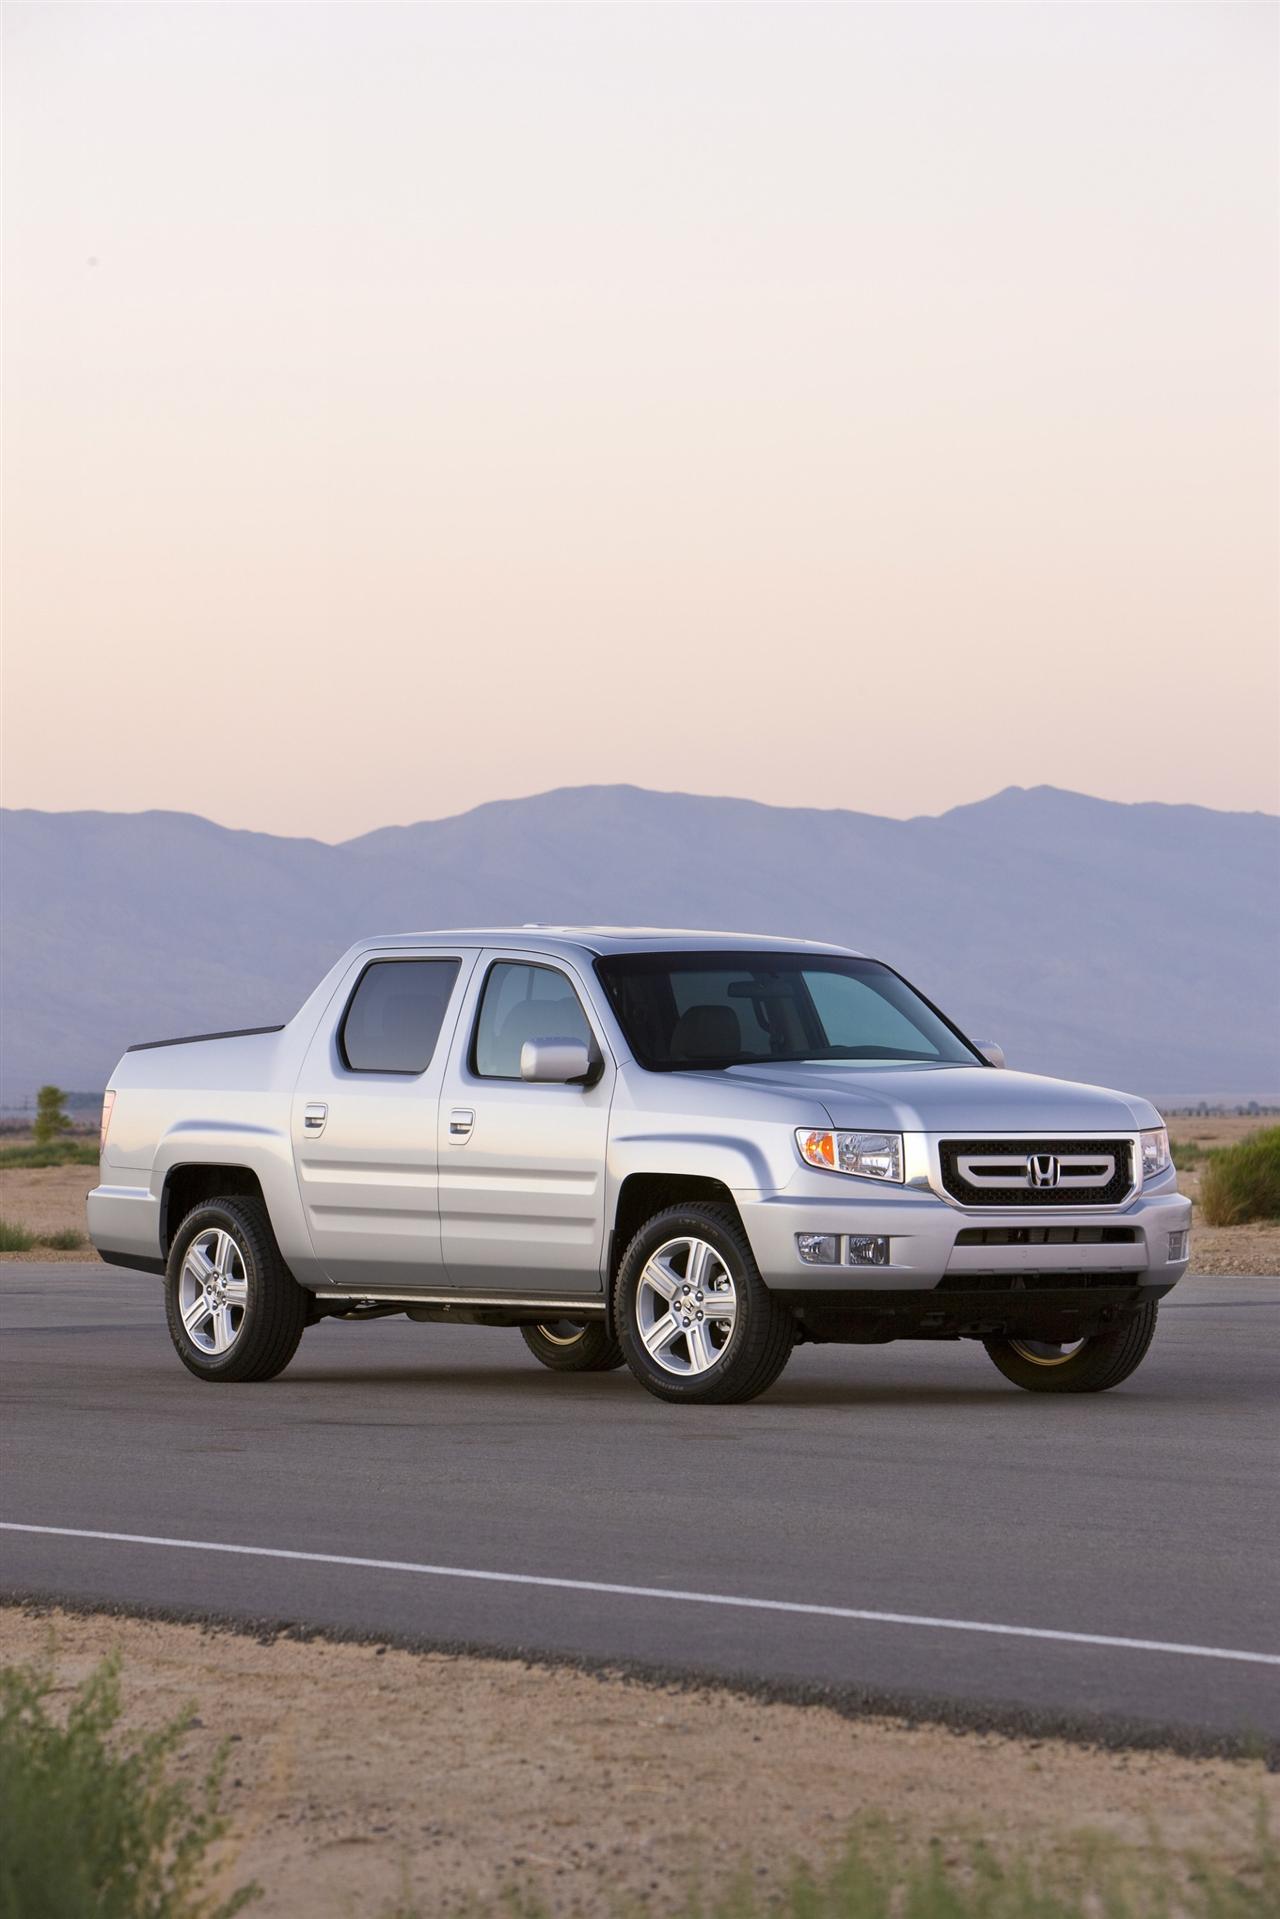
(267,1152)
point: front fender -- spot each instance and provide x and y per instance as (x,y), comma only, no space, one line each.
(741,1164)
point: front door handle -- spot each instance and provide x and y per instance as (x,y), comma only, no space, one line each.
(461,1120)
(314,1116)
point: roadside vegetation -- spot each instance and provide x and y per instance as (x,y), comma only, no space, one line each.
(60,1152)
(1242,1182)
(16,1239)
(101,1823)
(55,1138)
(97,1826)
(1084,1876)
(52,1119)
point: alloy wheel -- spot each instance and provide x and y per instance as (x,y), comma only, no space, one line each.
(1044,1352)
(213,1291)
(686,1306)
(561,1332)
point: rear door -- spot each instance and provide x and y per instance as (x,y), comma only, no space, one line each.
(365,1119)
(522,1165)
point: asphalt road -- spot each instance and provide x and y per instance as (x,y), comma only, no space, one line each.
(907,1480)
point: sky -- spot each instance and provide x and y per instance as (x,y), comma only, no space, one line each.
(844,406)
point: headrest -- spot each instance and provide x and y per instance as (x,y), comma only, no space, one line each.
(706,1032)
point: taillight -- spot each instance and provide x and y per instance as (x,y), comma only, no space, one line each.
(108,1101)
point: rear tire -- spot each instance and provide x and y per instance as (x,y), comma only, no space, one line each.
(235,1311)
(696,1321)
(1094,1366)
(566,1348)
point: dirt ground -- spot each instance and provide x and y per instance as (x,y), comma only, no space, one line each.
(51,1199)
(46,1199)
(359,1776)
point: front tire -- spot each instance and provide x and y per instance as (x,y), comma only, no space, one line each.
(1089,1366)
(695,1320)
(235,1311)
(566,1348)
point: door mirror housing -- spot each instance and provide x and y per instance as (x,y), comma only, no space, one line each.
(993,1054)
(557,1062)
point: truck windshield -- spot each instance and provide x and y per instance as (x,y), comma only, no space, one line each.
(687,1011)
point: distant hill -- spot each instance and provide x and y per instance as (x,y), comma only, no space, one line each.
(1133,945)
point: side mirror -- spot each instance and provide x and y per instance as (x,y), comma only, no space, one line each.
(993,1054)
(555,1062)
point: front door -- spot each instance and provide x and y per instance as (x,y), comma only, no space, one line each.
(522,1164)
(365,1117)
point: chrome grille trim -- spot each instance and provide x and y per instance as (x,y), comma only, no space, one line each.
(999,1170)
(1014,1171)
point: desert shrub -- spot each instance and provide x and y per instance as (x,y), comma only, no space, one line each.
(65,1241)
(15,1238)
(1242,1182)
(94,1826)
(61,1152)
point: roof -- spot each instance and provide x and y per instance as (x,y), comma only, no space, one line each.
(597,940)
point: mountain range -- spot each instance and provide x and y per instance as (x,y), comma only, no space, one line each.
(1134,945)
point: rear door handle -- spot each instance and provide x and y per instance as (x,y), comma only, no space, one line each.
(461,1120)
(314,1116)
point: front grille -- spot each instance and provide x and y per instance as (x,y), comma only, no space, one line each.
(999,1172)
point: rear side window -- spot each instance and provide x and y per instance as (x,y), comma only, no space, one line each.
(395,1015)
(523,1002)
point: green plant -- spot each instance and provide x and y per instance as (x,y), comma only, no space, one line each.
(1242,1182)
(1186,1153)
(51,1120)
(65,1241)
(63,1152)
(15,1238)
(94,1827)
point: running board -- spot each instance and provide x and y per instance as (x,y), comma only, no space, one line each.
(585,1306)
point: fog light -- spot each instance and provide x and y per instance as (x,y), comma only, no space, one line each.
(867,1249)
(818,1249)
(1178,1244)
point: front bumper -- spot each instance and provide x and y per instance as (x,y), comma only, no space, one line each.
(932,1240)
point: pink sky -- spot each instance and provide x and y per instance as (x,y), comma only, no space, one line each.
(856,406)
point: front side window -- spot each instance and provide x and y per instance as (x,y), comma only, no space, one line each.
(524,1002)
(395,1015)
(688,1010)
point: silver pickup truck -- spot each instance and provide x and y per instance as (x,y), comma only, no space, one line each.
(687,1152)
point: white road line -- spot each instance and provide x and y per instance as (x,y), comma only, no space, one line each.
(654,1592)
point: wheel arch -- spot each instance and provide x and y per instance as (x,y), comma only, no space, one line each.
(641,1195)
(194,1183)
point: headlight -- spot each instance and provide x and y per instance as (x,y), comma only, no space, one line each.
(1155,1152)
(870,1155)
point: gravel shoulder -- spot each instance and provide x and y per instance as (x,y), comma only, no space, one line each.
(361,1775)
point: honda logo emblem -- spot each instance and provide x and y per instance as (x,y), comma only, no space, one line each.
(1042,1169)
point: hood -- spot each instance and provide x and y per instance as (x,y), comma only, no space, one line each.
(952,1099)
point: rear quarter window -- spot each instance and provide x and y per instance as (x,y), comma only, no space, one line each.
(393,1019)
